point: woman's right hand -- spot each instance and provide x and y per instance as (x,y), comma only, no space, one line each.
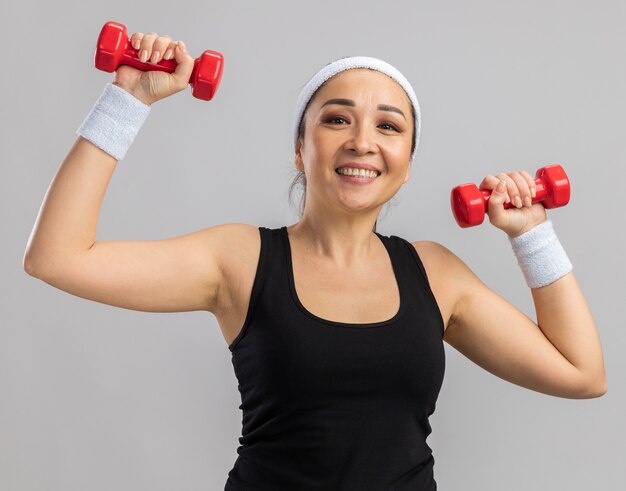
(153,85)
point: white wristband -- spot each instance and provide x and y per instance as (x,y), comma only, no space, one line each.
(540,255)
(114,121)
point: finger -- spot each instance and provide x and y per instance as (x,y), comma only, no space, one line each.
(184,67)
(490,182)
(498,215)
(135,40)
(158,48)
(147,41)
(531,183)
(521,196)
(498,193)
(169,51)
(510,187)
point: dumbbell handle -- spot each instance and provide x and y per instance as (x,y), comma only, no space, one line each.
(130,57)
(540,190)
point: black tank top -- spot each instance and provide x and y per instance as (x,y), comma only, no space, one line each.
(335,406)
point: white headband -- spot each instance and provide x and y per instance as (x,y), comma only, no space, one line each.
(343,64)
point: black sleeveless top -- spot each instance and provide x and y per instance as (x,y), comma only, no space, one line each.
(335,406)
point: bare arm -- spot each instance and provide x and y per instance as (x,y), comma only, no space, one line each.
(560,354)
(169,275)
(565,319)
(68,218)
(66,225)
(176,274)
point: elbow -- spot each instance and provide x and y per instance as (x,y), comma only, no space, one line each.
(597,392)
(28,265)
(30,270)
(28,259)
(31,266)
(602,389)
(598,389)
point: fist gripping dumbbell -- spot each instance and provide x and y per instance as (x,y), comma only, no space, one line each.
(114,49)
(469,204)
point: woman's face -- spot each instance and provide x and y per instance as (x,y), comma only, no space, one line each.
(360,116)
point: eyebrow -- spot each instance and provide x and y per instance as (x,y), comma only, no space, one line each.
(348,102)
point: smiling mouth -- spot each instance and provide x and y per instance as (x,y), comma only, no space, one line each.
(359,173)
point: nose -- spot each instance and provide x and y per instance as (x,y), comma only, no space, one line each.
(362,139)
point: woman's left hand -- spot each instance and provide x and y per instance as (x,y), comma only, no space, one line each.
(517,190)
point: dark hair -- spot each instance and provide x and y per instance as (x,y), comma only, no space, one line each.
(299,179)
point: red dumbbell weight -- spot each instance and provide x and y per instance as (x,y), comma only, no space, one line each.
(114,49)
(469,204)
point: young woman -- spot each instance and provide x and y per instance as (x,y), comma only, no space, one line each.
(336,331)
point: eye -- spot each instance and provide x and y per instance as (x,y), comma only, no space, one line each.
(335,119)
(389,126)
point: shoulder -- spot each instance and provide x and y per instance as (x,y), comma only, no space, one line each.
(235,232)
(434,255)
(449,276)
(211,246)
(439,262)
(227,248)
(235,242)
(438,257)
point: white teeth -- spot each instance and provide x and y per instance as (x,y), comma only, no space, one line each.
(349,171)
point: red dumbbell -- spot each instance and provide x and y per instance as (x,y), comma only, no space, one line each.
(114,49)
(469,204)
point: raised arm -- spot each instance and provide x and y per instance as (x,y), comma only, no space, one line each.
(560,354)
(176,274)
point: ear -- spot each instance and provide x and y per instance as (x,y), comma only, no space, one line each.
(408,174)
(298,156)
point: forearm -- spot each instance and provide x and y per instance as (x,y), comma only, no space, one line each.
(562,311)
(566,320)
(68,218)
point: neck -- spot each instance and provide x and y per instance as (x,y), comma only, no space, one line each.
(345,239)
